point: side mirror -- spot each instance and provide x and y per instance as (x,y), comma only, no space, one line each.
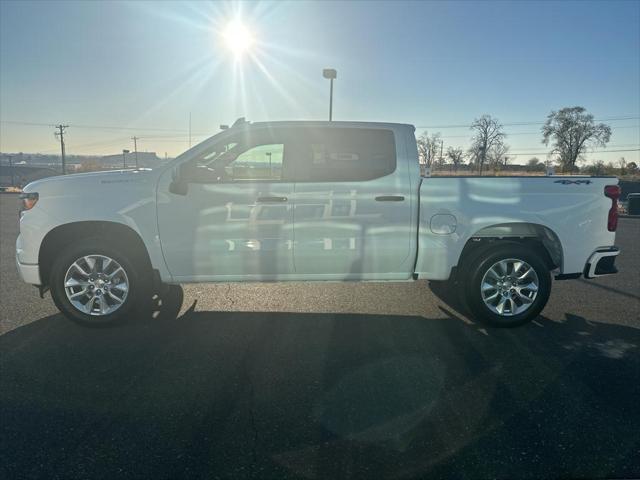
(179,184)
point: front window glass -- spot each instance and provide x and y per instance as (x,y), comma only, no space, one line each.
(262,162)
(247,156)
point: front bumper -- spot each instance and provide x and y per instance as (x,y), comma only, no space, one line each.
(29,273)
(602,262)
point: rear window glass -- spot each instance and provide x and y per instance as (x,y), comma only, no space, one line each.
(344,154)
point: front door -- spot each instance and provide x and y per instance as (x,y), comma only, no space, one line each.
(235,221)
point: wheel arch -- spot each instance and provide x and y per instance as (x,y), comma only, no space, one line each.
(113,232)
(538,237)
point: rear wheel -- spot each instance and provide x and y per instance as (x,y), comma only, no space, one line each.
(508,285)
(93,283)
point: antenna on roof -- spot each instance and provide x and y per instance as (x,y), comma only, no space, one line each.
(238,122)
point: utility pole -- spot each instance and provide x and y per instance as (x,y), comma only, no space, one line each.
(135,148)
(124,158)
(60,133)
(189,129)
(13,178)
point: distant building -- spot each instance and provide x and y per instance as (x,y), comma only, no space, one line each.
(20,175)
(145,159)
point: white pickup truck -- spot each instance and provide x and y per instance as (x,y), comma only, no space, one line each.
(311,201)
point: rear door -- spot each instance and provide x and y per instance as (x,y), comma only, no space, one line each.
(352,218)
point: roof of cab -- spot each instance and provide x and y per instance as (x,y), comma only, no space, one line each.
(321,123)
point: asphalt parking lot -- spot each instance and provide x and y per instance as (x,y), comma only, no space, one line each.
(323,381)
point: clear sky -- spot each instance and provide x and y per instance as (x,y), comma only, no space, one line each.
(144,65)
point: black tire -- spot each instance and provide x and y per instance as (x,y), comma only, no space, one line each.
(480,264)
(137,289)
(164,304)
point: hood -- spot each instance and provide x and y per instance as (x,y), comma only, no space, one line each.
(90,180)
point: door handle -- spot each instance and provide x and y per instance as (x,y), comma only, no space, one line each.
(272,199)
(390,198)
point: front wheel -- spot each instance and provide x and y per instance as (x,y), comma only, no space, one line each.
(95,284)
(507,286)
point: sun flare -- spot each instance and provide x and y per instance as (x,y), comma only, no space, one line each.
(237,38)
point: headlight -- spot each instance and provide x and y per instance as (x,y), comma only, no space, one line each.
(28,201)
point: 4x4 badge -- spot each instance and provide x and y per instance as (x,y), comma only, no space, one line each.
(569,182)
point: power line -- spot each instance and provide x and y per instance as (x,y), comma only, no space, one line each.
(102,127)
(615,127)
(14,122)
(513,124)
(619,145)
(594,151)
(101,143)
(186,132)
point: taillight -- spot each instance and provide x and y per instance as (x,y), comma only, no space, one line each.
(612,192)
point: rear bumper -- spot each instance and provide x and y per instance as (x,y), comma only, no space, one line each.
(29,273)
(602,262)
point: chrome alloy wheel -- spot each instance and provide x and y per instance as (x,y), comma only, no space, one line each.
(509,287)
(96,285)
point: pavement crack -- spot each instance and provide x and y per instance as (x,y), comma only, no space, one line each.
(229,297)
(252,420)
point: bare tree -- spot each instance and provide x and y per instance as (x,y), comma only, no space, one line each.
(428,148)
(571,131)
(535,165)
(90,165)
(456,156)
(622,164)
(497,156)
(597,168)
(439,162)
(548,163)
(488,134)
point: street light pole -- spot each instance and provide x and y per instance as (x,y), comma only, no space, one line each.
(330,99)
(135,148)
(331,74)
(270,169)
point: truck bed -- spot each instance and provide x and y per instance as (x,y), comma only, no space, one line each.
(568,212)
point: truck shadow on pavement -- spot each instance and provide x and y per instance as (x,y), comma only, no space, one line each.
(279,395)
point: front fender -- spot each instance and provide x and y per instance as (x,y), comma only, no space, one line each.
(61,203)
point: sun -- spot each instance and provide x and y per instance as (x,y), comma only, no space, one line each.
(237,38)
